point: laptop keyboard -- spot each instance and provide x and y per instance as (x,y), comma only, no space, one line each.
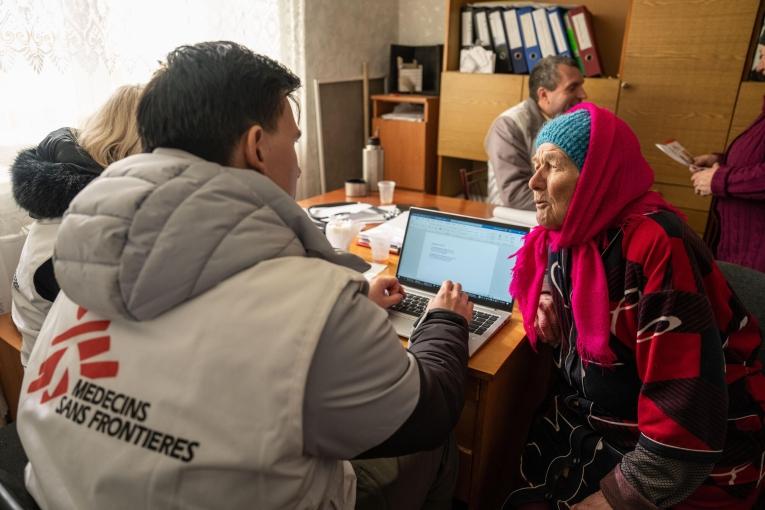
(413,304)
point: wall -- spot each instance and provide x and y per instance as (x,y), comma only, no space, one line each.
(421,22)
(339,36)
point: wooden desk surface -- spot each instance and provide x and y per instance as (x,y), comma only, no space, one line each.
(8,332)
(487,361)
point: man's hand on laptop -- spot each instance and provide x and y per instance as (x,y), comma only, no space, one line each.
(386,291)
(451,297)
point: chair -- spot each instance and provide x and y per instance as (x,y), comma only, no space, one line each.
(749,286)
(474,184)
(13,493)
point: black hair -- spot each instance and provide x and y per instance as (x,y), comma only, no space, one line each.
(207,95)
(545,73)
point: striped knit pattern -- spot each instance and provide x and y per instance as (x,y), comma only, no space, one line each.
(739,190)
(570,132)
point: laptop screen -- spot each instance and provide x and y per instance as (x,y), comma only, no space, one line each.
(474,252)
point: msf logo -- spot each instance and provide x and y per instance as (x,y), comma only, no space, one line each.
(79,336)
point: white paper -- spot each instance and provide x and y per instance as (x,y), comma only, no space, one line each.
(467,28)
(528,30)
(582,35)
(513,30)
(325,212)
(497,30)
(373,271)
(560,39)
(477,60)
(407,116)
(482,26)
(676,151)
(515,216)
(395,227)
(546,45)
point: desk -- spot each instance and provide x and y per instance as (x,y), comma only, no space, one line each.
(506,381)
(11,371)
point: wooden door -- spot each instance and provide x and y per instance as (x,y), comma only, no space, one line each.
(682,64)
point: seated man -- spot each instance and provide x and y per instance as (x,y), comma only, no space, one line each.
(555,85)
(209,349)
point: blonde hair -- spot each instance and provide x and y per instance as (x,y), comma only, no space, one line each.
(111,133)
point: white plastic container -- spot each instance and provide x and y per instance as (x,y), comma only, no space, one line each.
(373,161)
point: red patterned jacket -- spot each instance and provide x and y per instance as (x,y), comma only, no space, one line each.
(688,384)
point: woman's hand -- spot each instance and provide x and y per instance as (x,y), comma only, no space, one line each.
(386,291)
(593,502)
(704,161)
(546,323)
(451,297)
(702,180)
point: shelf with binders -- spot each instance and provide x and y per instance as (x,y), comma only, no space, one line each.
(608,22)
(651,54)
(471,101)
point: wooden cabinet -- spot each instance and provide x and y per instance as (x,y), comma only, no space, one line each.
(681,71)
(673,70)
(748,108)
(409,146)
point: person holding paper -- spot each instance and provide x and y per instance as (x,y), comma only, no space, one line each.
(555,85)
(736,180)
(661,396)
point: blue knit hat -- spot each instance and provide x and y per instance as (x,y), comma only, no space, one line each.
(570,132)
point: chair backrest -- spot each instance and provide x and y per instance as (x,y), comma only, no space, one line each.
(749,286)
(475,184)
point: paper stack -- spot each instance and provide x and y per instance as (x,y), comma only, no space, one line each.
(396,227)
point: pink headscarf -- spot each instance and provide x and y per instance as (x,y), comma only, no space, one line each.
(614,184)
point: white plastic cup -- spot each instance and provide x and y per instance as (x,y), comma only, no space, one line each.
(380,245)
(340,233)
(386,191)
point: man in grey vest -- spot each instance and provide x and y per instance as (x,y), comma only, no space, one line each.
(209,348)
(555,85)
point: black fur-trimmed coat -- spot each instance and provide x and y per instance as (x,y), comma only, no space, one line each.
(47,177)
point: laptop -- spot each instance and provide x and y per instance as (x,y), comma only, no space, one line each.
(475,252)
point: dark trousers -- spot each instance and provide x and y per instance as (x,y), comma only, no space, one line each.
(423,480)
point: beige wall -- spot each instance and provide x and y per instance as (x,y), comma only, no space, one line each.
(341,34)
(421,22)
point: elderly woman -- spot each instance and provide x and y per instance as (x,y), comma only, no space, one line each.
(661,396)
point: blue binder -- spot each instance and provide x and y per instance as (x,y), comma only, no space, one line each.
(530,42)
(558,27)
(515,41)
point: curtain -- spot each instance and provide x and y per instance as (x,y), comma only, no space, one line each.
(60,59)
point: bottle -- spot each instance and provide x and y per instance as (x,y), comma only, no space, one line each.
(373,162)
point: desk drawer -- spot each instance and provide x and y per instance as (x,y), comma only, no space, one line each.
(462,490)
(465,429)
